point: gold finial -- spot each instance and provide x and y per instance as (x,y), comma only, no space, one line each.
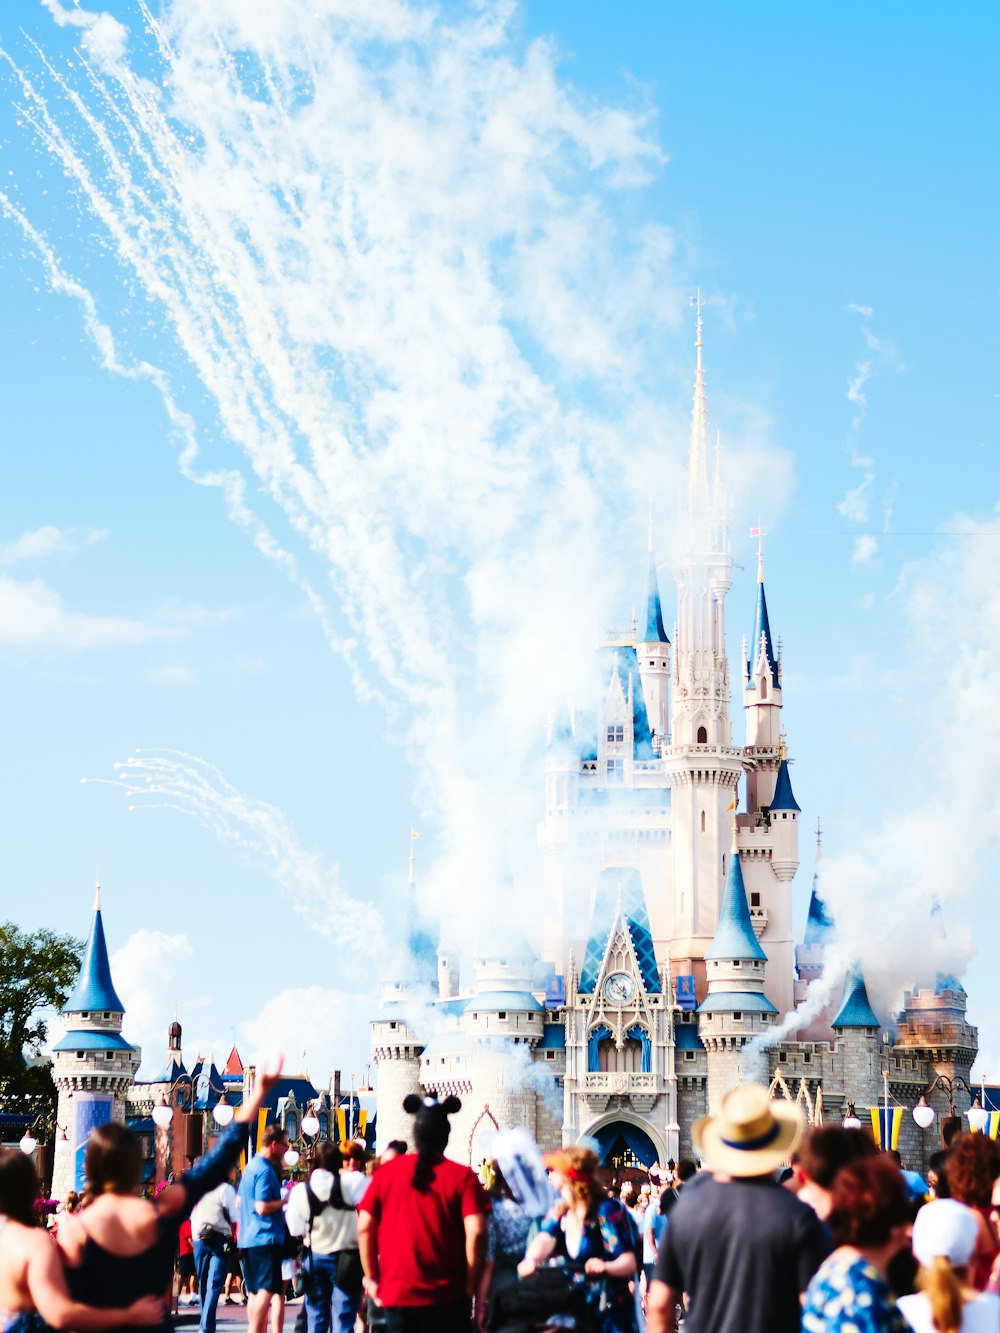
(782,751)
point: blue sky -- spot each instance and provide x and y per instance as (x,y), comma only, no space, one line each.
(421,278)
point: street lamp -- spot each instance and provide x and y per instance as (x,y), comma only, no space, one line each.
(923,1114)
(222,1112)
(28,1144)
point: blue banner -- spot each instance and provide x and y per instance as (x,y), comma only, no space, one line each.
(686,997)
(89,1113)
(555,992)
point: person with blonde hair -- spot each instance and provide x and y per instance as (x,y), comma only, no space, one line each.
(944,1240)
(587,1227)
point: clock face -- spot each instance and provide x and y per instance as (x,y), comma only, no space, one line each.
(619,988)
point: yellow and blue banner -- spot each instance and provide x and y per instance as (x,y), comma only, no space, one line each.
(886,1126)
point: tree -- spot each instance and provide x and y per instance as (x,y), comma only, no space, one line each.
(37,972)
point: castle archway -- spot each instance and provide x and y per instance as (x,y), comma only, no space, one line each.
(625,1138)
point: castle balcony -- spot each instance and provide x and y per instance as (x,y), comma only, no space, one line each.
(641,1090)
(758,919)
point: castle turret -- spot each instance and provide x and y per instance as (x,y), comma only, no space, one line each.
(762,693)
(653,650)
(736,1010)
(396,1048)
(93,1065)
(857,1027)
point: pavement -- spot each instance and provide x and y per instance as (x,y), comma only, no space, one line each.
(188,1316)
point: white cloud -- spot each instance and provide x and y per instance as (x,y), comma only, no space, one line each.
(172,674)
(317,1029)
(865,549)
(856,504)
(104,39)
(150,970)
(32,615)
(46,541)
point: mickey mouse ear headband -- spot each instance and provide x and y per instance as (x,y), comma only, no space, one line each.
(414,1104)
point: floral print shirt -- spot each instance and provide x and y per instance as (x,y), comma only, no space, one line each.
(849,1295)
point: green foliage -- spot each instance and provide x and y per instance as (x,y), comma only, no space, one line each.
(37,972)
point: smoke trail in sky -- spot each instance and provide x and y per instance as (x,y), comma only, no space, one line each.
(171,780)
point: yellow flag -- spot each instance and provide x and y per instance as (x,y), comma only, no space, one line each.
(415,834)
(261,1122)
(732,804)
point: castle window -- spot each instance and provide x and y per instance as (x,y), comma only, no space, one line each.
(807,1057)
(616,734)
(737,1017)
(782,1057)
(755,900)
(393,1027)
(689,1055)
(737,963)
(702,736)
(615,768)
(502,1013)
(550,1055)
(703,821)
(763,687)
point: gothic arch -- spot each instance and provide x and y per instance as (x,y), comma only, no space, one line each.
(484,1114)
(631,1118)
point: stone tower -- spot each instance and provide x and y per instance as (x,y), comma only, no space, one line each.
(736,1009)
(93,1065)
(858,1047)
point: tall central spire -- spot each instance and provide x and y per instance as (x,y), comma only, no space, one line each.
(698,456)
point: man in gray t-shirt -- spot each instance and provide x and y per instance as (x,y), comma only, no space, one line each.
(741,1247)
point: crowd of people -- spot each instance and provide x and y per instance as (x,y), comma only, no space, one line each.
(772,1230)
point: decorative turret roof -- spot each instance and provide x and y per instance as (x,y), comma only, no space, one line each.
(624,663)
(94,989)
(944,981)
(234,1064)
(734,935)
(761,641)
(622,885)
(856,1010)
(654,631)
(784,798)
(819,922)
(93,1040)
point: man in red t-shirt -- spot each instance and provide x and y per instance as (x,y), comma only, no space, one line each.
(422,1230)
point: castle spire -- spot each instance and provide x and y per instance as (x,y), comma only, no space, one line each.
(697,458)
(94,989)
(761,641)
(856,1010)
(734,936)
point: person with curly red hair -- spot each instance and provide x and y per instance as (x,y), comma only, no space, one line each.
(973,1166)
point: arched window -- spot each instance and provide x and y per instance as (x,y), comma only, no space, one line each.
(703,821)
(763,687)
(702,736)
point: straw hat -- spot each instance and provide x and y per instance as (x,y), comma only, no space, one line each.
(751,1135)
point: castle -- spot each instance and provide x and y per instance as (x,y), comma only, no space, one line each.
(627,1033)
(667,963)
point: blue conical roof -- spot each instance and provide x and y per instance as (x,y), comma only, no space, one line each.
(734,937)
(944,981)
(784,797)
(819,922)
(94,988)
(761,626)
(654,631)
(856,1010)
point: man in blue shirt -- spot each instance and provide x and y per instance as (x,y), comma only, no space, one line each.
(262,1231)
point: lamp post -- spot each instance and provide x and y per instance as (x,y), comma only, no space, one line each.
(309,1127)
(923,1113)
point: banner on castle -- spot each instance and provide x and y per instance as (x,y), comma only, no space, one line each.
(886,1130)
(555,992)
(686,998)
(89,1112)
(994,1124)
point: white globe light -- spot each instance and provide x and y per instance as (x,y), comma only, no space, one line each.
(222,1113)
(162,1115)
(923,1114)
(28,1144)
(852,1122)
(978,1118)
(291,1157)
(310,1125)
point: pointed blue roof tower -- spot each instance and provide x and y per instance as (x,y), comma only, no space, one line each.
(734,935)
(761,635)
(654,631)
(819,922)
(855,1010)
(944,981)
(784,797)
(94,988)
(732,986)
